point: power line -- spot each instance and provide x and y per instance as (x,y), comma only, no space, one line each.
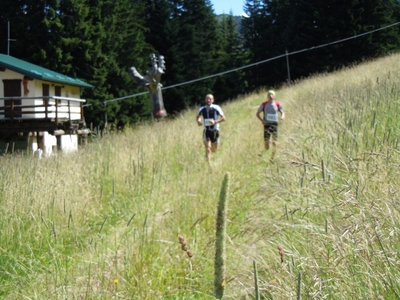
(346,39)
(261,62)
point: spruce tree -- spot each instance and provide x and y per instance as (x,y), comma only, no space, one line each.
(255,30)
(194,47)
(303,25)
(101,43)
(232,56)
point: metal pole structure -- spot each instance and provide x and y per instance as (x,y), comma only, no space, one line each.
(105,114)
(288,68)
(8,38)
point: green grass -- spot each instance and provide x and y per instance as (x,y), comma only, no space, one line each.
(104,223)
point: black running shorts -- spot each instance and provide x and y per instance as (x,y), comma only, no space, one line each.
(211,135)
(270,129)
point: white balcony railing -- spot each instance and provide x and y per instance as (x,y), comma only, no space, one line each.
(50,108)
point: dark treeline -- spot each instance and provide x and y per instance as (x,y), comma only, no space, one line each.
(98,40)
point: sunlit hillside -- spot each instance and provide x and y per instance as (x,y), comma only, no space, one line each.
(322,222)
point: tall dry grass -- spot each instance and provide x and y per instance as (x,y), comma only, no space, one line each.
(104,223)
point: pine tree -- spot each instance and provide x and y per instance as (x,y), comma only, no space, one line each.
(255,30)
(277,26)
(193,41)
(232,55)
(100,41)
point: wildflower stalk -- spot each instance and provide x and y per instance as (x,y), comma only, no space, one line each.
(299,287)
(256,280)
(220,255)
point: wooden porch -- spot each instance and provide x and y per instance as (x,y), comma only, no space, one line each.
(56,115)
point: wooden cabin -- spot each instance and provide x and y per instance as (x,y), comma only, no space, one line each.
(40,110)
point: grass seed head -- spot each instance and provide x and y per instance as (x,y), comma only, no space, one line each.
(281,253)
(182,240)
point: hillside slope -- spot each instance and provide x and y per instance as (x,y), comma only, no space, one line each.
(104,224)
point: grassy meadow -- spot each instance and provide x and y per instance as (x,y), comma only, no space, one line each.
(322,222)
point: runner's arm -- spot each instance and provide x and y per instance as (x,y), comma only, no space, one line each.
(282,115)
(221,118)
(198,119)
(258,115)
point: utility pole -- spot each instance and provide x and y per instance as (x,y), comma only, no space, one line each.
(8,39)
(288,67)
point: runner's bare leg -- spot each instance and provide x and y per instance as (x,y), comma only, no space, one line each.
(214,147)
(274,142)
(207,145)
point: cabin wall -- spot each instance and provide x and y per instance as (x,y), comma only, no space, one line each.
(34,87)
(43,142)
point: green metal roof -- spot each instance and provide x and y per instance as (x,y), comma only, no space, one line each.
(37,72)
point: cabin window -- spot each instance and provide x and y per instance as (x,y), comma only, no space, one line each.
(57,91)
(45,94)
(12,88)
